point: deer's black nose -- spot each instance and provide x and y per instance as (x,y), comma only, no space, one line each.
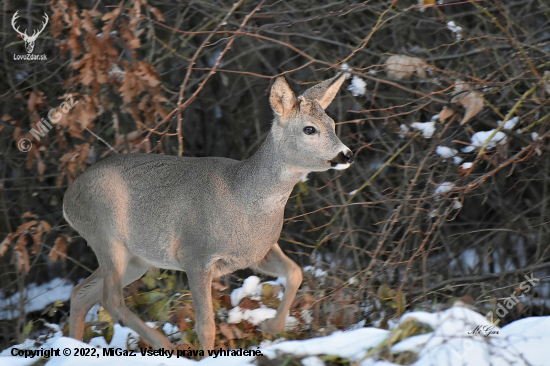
(348,156)
(342,158)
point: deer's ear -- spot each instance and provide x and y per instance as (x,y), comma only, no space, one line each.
(325,92)
(282,98)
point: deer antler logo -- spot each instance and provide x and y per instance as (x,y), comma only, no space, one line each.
(29,40)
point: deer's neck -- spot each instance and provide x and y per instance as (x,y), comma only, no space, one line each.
(267,175)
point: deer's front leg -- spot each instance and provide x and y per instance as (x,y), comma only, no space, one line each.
(200,283)
(277,264)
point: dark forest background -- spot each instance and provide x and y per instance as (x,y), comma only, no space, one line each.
(411,228)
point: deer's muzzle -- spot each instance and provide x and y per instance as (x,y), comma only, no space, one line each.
(343,157)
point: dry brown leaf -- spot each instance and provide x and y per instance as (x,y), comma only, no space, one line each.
(248,303)
(5,244)
(471,100)
(159,15)
(85,112)
(45,226)
(56,22)
(79,63)
(87,23)
(182,324)
(473,103)
(134,43)
(225,300)
(21,257)
(73,42)
(59,249)
(37,239)
(111,17)
(4,247)
(22,242)
(423,4)
(143,102)
(130,86)
(399,67)
(41,169)
(35,101)
(25,226)
(87,73)
(101,75)
(147,73)
(17,134)
(94,13)
(74,22)
(445,113)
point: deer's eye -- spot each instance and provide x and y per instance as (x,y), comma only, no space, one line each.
(309,130)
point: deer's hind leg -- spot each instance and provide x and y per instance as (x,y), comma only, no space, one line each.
(120,266)
(277,264)
(84,295)
(89,292)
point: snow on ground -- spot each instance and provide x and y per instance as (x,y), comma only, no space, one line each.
(520,343)
(456,336)
(452,342)
(38,297)
(256,316)
(250,287)
(253,288)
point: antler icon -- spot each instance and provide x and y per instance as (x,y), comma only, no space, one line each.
(29,40)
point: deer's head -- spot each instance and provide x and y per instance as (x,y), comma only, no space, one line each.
(303,129)
(29,40)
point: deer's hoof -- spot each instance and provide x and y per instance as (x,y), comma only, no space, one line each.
(271,326)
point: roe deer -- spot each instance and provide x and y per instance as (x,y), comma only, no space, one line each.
(207,216)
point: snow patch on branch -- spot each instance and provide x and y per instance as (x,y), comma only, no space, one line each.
(358,86)
(445,152)
(444,187)
(427,128)
(457,30)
